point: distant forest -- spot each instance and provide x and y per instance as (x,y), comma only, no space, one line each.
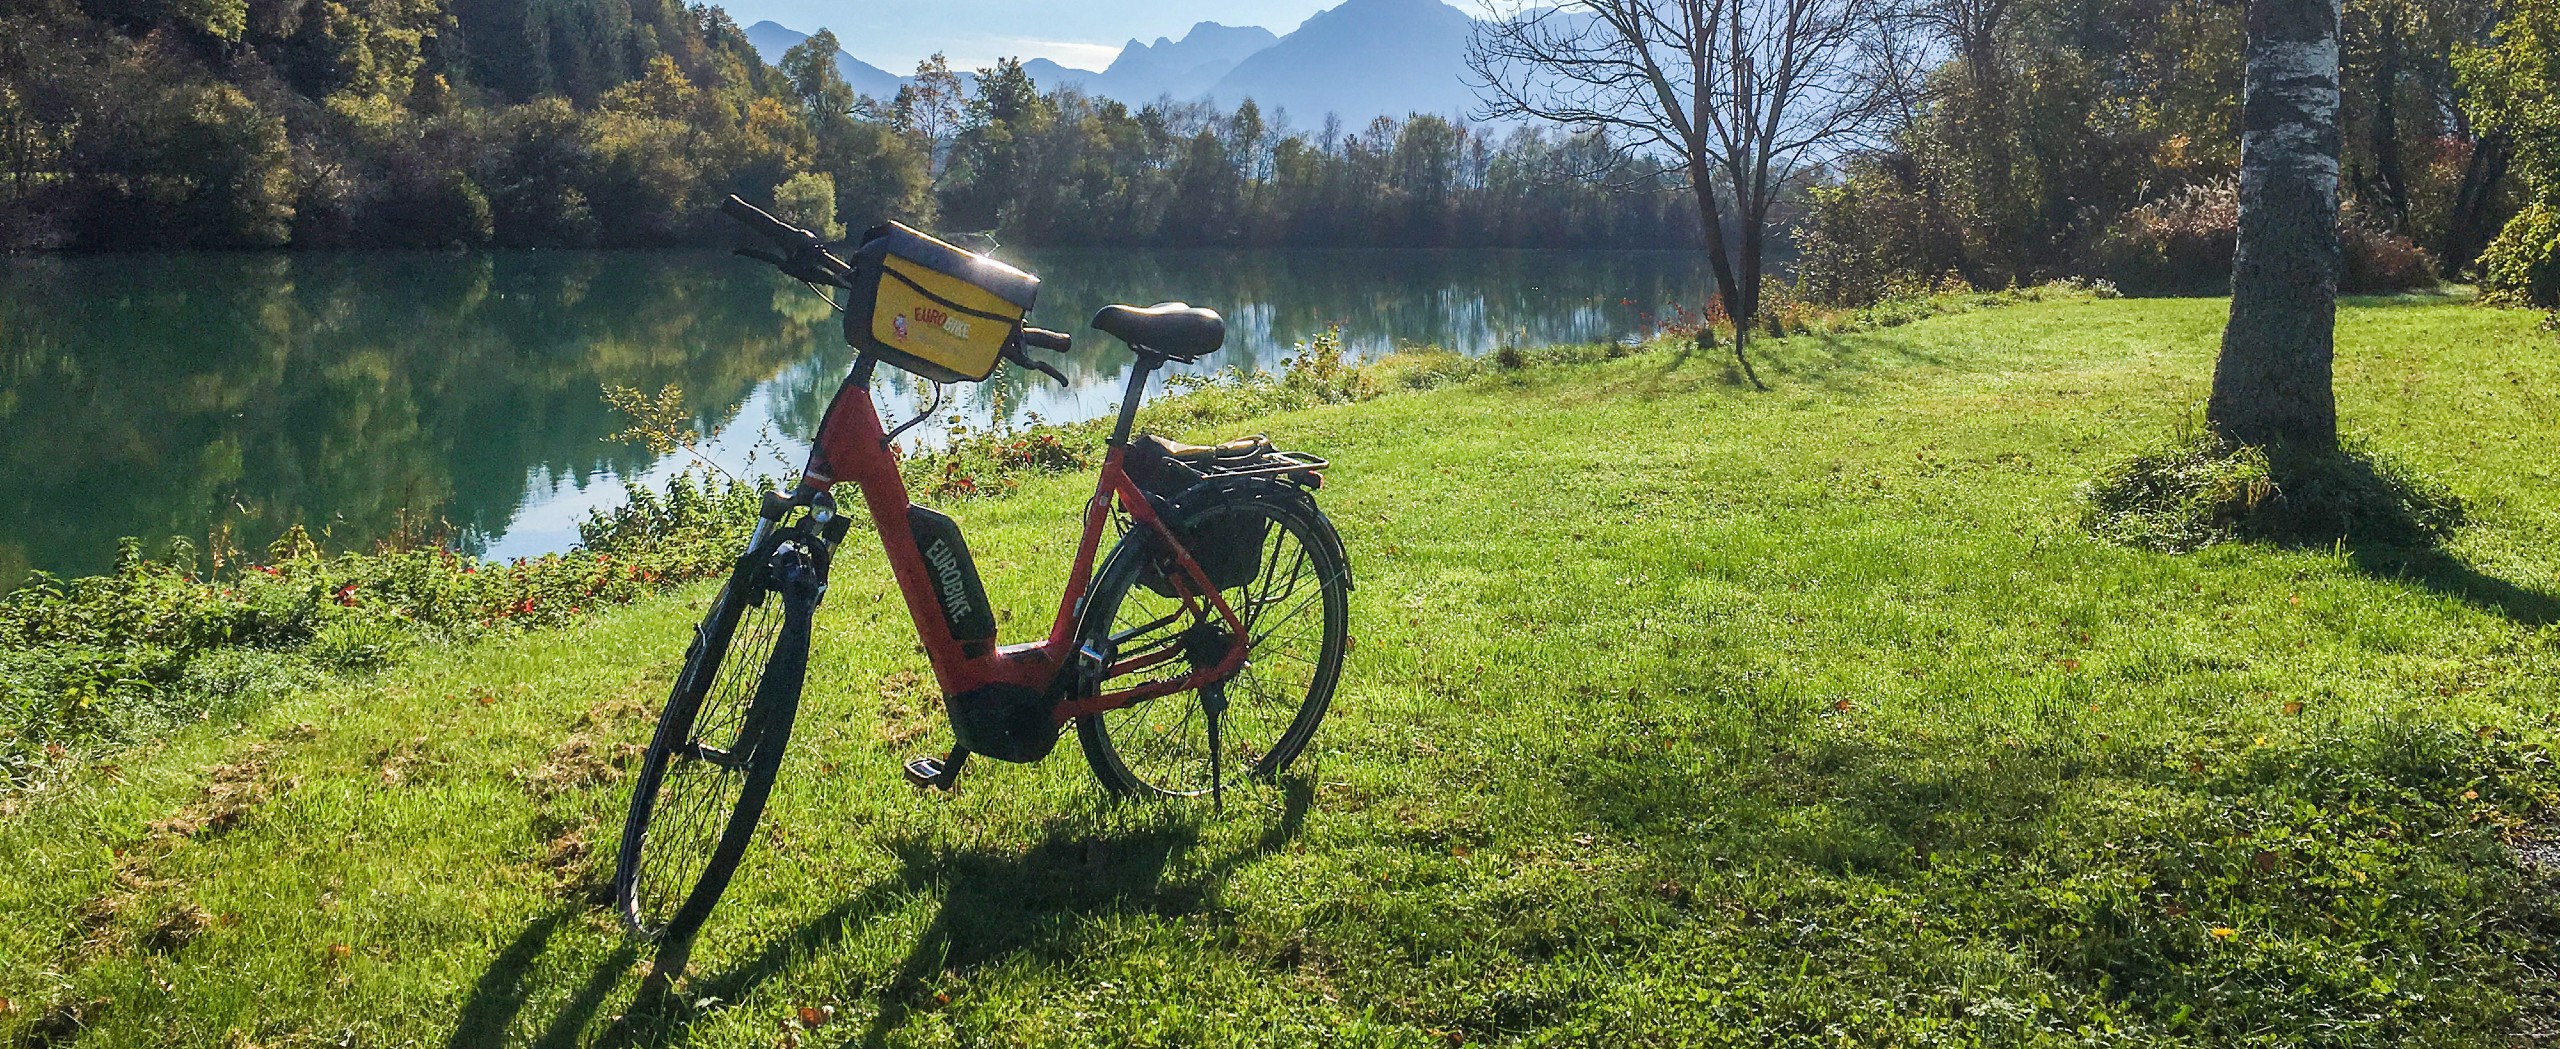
(135,124)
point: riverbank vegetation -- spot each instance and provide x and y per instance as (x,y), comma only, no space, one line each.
(1787,718)
(196,631)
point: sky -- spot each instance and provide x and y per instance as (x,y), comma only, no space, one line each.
(894,34)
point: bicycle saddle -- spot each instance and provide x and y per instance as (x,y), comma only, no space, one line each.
(1177,330)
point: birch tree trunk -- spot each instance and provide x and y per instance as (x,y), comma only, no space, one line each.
(2272,384)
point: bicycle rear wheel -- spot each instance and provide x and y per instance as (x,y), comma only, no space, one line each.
(1295,607)
(719,742)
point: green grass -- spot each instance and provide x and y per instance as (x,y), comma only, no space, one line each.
(1678,715)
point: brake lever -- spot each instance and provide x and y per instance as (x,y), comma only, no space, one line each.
(769,258)
(1014,355)
(1045,370)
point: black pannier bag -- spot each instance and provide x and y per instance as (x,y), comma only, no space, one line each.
(1228,545)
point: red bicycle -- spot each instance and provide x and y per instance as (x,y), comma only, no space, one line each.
(1211,636)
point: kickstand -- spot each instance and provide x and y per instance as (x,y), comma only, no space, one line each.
(938,773)
(1213,701)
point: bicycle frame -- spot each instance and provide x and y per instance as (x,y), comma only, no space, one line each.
(851,445)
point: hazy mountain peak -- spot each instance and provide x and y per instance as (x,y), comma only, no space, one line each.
(1182,68)
(772,39)
(1362,59)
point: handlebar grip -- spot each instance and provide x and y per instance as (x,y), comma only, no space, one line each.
(1044,339)
(774,229)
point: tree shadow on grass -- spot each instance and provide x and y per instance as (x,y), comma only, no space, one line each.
(1838,363)
(1774,791)
(2388,522)
(1833,363)
(2438,571)
(996,903)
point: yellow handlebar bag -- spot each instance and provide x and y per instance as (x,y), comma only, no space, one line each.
(931,308)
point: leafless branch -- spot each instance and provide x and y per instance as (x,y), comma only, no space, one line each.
(1742,97)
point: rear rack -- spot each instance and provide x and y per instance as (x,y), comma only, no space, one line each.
(1266,464)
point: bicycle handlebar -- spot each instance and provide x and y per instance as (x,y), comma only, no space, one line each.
(804,255)
(1042,338)
(782,234)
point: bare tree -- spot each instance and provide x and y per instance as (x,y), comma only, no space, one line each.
(931,106)
(1973,29)
(1745,96)
(2272,384)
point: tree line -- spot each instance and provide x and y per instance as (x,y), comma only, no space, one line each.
(2102,137)
(130,124)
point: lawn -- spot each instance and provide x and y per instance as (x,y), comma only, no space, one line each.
(1679,714)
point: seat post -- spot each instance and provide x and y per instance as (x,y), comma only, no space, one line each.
(1147,363)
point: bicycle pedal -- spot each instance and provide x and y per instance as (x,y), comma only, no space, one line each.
(925,773)
(937,773)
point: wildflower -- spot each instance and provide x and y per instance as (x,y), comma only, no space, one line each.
(347,595)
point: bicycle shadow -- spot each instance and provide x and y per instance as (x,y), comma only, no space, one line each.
(995,902)
(503,989)
(997,905)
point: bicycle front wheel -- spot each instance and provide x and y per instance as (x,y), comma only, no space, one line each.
(1295,607)
(703,783)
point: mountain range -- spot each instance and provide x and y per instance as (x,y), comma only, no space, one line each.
(771,41)
(1186,68)
(1363,59)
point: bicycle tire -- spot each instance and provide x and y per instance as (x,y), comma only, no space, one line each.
(1158,748)
(681,786)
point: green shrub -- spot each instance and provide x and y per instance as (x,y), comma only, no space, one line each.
(2522,267)
(2183,244)
(100,661)
(1871,238)
(808,200)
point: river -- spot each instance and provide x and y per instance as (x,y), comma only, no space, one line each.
(173,395)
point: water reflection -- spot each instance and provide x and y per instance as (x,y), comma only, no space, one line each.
(173,395)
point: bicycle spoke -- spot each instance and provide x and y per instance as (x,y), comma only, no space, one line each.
(700,768)
(1286,669)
